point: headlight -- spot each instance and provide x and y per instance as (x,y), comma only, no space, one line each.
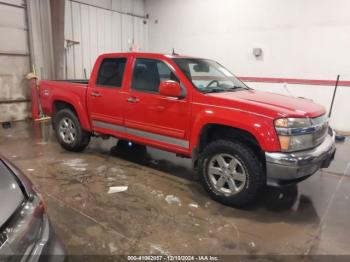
(295,134)
(296,143)
(292,122)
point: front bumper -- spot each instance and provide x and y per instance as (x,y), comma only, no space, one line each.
(284,168)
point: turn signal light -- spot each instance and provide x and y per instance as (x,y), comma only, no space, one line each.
(282,122)
(284,142)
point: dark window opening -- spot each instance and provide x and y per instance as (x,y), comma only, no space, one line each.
(111,72)
(148,73)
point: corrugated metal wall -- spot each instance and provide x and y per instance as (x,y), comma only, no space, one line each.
(96,27)
(14,60)
(25,31)
(40,34)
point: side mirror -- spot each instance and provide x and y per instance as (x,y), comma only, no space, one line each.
(170,88)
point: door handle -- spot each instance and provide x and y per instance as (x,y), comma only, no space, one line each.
(133,99)
(96,94)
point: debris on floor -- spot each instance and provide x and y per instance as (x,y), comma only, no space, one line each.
(194,205)
(30,169)
(172,200)
(158,249)
(112,247)
(158,193)
(117,189)
(252,245)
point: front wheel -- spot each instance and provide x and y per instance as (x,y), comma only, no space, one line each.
(69,133)
(231,172)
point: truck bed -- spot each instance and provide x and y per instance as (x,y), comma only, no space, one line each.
(71,91)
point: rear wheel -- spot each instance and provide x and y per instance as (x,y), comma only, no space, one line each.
(69,133)
(231,172)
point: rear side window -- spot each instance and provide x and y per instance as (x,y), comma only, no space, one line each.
(111,72)
(148,73)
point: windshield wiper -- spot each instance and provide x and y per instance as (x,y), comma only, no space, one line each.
(214,90)
(218,90)
(234,88)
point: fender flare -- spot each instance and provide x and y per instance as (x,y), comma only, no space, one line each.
(75,102)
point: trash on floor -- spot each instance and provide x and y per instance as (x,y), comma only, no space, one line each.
(252,245)
(158,249)
(117,189)
(172,200)
(194,205)
(112,247)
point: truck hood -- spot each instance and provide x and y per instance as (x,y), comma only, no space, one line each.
(10,193)
(271,104)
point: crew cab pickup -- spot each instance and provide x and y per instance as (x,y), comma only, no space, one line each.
(239,138)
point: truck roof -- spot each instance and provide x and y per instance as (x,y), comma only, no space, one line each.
(155,55)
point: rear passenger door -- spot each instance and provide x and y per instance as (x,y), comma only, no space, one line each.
(150,117)
(103,96)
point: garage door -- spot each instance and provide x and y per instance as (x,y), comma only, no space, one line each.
(14,61)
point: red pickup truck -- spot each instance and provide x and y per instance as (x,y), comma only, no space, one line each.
(239,139)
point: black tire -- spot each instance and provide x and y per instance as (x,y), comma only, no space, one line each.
(81,137)
(249,164)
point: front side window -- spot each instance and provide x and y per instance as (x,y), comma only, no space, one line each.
(111,72)
(148,73)
(209,76)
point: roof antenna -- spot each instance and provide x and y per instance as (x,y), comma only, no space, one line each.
(174,52)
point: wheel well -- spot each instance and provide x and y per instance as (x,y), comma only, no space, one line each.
(213,132)
(59,105)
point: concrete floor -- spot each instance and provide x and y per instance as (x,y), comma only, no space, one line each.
(166,211)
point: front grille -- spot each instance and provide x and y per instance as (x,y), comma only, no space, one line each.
(321,126)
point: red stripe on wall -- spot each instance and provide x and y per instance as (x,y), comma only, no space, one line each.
(293,81)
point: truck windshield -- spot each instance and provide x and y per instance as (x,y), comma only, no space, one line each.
(209,76)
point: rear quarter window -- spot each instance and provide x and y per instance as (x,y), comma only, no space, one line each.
(111,72)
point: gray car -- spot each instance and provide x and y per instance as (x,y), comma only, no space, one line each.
(25,230)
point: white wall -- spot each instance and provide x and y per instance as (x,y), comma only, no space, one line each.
(101,27)
(320,94)
(300,39)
